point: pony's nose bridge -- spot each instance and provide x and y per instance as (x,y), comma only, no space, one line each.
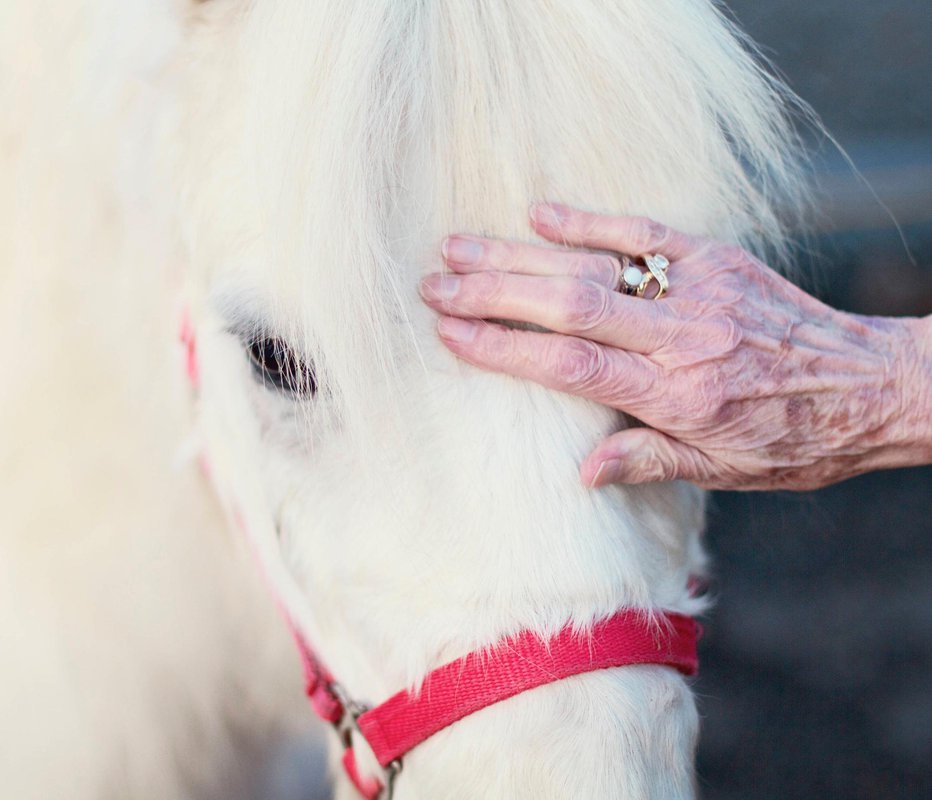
(511,435)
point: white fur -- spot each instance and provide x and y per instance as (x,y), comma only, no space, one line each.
(140,657)
(425,508)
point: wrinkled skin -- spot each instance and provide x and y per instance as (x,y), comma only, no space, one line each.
(742,380)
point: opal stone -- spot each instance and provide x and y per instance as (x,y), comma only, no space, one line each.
(632,276)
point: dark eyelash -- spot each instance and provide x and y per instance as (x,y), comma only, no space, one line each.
(277,365)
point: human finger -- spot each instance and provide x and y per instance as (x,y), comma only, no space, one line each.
(563,363)
(466,254)
(644,455)
(632,235)
(564,305)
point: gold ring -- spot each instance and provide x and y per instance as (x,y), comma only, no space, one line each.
(635,281)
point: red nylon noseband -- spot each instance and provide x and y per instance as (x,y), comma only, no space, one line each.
(483,678)
(523,662)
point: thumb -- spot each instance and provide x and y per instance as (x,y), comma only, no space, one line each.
(642,455)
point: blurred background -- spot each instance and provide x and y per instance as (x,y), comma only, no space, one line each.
(815,678)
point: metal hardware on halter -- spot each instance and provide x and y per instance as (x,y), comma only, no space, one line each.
(481,678)
(352,711)
(391,772)
(346,726)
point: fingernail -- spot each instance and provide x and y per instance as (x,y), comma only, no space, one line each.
(457,330)
(605,473)
(553,215)
(461,251)
(440,287)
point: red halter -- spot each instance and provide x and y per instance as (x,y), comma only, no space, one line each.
(483,678)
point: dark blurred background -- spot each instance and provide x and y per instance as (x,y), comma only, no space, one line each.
(816,662)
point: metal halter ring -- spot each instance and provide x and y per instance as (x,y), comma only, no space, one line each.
(635,281)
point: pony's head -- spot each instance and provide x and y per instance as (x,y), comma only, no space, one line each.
(325,149)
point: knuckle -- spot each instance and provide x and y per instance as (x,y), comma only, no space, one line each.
(487,287)
(597,267)
(649,234)
(579,364)
(586,306)
(499,345)
(586,224)
(728,335)
(718,335)
(658,466)
(653,461)
(656,231)
(508,255)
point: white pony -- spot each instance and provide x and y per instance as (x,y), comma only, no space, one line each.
(406,509)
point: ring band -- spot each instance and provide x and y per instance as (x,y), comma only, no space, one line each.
(635,281)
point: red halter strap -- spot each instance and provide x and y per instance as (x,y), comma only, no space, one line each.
(483,678)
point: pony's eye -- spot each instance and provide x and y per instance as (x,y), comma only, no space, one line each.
(275,364)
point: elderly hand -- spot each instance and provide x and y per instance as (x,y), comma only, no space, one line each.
(743,380)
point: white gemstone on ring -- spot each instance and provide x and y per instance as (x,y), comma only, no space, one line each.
(632,276)
(658,261)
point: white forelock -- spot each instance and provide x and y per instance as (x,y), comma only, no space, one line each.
(370,128)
